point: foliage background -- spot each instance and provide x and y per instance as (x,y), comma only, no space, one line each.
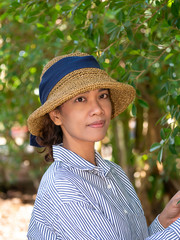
(136,42)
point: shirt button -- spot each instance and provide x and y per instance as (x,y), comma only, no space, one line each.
(95,172)
(109,186)
(125,211)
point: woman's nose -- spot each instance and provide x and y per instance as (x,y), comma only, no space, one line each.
(96,108)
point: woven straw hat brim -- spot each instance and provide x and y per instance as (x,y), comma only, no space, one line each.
(77,82)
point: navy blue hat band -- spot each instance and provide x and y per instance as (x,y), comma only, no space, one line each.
(33,141)
(60,69)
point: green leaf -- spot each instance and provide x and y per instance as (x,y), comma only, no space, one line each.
(175,131)
(15,4)
(154,147)
(171,140)
(177,37)
(160,155)
(66,8)
(142,103)
(162,133)
(170,2)
(102,6)
(175,9)
(40,25)
(168,56)
(112,50)
(53,18)
(177,115)
(135,52)
(120,16)
(115,62)
(138,92)
(59,34)
(167,131)
(178,99)
(34,13)
(178,23)
(127,24)
(121,71)
(111,27)
(177,140)
(161,119)
(153,20)
(172,148)
(134,110)
(3,16)
(129,33)
(31,19)
(58,7)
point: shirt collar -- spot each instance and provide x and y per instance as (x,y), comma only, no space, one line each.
(101,163)
(71,159)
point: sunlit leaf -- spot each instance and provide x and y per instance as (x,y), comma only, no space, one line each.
(155,146)
(160,155)
(178,37)
(177,140)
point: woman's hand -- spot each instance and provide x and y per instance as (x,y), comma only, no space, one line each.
(171,212)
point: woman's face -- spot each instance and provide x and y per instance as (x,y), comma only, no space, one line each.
(86,117)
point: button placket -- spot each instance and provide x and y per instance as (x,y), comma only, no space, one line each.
(95,171)
(108,183)
(125,211)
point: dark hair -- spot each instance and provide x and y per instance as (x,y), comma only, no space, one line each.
(50,135)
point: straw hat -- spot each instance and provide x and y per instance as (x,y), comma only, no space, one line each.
(66,76)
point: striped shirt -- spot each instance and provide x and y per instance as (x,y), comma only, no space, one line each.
(77,200)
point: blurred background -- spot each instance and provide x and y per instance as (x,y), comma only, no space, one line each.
(137,42)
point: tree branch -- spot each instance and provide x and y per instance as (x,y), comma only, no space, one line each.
(143,71)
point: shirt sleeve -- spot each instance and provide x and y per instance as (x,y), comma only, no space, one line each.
(170,233)
(155,227)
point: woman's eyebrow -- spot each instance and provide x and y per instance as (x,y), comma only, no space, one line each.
(102,89)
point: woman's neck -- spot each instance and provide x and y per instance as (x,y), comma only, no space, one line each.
(84,150)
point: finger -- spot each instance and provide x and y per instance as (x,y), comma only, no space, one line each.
(176,196)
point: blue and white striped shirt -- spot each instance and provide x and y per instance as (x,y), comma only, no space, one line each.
(78,200)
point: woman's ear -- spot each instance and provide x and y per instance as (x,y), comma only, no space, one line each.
(55,117)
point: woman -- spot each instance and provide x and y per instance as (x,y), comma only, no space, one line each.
(82,196)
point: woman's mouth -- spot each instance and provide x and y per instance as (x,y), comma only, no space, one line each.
(97,124)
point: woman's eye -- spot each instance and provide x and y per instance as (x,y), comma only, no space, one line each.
(80,99)
(104,95)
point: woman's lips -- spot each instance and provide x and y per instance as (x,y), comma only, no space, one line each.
(97,124)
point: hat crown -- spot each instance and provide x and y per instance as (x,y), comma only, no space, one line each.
(60,67)
(56,59)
